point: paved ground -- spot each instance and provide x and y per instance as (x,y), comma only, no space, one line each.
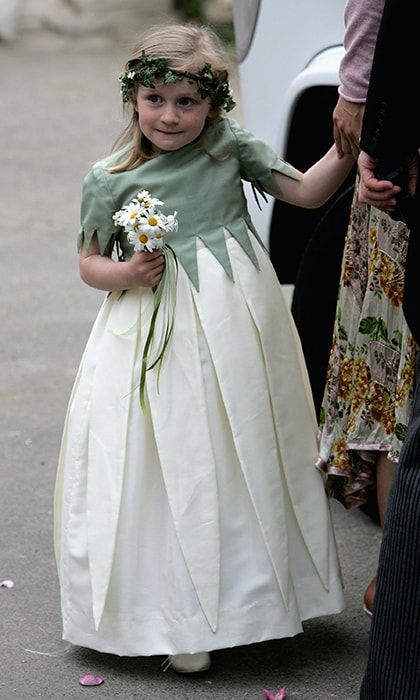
(60,112)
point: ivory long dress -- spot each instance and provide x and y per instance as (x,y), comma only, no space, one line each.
(201,523)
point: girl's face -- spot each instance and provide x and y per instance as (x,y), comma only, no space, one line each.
(171,116)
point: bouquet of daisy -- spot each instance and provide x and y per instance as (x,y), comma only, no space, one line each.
(145,224)
(146,227)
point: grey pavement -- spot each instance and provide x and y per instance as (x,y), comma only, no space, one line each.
(59,113)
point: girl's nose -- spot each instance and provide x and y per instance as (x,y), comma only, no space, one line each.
(170,114)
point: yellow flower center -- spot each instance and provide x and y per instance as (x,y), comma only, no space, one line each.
(143,238)
(133,215)
(158,235)
(152,221)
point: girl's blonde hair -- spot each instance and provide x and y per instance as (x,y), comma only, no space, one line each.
(187,48)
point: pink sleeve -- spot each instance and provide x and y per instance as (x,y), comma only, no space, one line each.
(361,18)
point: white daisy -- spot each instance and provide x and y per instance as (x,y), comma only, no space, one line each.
(143,240)
(171,222)
(127,216)
(150,221)
(146,200)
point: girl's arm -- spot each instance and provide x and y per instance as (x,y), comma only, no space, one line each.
(317,184)
(100,271)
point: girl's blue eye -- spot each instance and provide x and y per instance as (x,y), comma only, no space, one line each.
(153,98)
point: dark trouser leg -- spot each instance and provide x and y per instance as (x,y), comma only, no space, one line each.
(393,667)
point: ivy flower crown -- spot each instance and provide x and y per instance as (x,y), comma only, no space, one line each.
(146,69)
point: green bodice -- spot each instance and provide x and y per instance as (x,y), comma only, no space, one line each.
(203,183)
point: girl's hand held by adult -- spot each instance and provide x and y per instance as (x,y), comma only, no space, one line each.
(314,187)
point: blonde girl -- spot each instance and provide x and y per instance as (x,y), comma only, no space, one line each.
(196,521)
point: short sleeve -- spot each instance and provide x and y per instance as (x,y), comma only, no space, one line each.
(258,160)
(97,210)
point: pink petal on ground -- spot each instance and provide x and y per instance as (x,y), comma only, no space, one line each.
(90,679)
(280,695)
(7,583)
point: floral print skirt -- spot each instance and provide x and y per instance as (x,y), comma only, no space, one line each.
(368,394)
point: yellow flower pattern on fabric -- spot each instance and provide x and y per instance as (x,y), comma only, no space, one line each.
(392,279)
(369,385)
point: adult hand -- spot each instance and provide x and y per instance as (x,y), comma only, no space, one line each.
(347,120)
(379,193)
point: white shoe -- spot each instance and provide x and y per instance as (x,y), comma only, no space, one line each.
(190,663)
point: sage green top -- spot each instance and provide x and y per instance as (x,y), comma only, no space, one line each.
(201,181)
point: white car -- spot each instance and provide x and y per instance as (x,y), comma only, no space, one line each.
(289,53)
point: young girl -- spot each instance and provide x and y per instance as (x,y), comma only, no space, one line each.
(198,521)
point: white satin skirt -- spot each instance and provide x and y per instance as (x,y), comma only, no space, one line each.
(202,523)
